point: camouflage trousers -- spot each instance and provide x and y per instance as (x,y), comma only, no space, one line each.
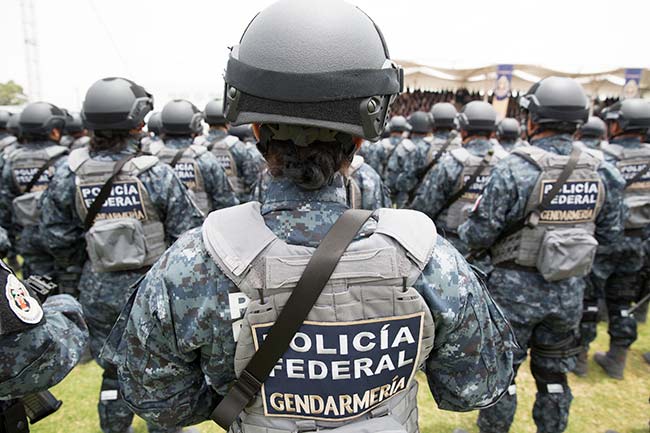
(103,295)
(35,260)
(545,318)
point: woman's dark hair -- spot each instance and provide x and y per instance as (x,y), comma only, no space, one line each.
(109,140)
(310,167)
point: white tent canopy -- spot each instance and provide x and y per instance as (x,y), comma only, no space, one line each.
(607,83)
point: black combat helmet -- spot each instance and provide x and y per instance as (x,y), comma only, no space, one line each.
(181,117)
(399,124)
(630,114)
(444,115)
(329,69)
(154,124)
(213,113)
(115,104)
(4,118)
(477,116)
(556,100)
(74,123)
(508,129)
(420,122)
(41,118)
(595,127)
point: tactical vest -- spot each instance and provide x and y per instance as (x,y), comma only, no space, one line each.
(355,195)
(80,142)
(636,195)
(352,364)
(596,153)
(188,171)
(127,233)
(436,144)
(222,150)
(25,163)
(563,236)
(457,212)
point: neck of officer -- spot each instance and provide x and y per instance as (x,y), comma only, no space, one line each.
(178,141)
(627,140)
(553,141)
(303,217)
(477,144)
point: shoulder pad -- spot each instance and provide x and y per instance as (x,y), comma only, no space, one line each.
(595,153)
(612,149)
(201,140)
(198,149)
(155,147)
(408,145)
(144,162)
(530,153)
(78,157)
(499,151)
(357,162)
(8,140)
(461,154)
(231,140)
(57,150)
(247,236)
(413,230)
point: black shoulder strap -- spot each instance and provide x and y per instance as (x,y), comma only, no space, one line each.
(41,170)
(302,299)
(177,157)
(637,176)
(97,204)
(451,200)
(423,171)
(532,217)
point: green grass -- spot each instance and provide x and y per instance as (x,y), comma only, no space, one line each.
(600,403)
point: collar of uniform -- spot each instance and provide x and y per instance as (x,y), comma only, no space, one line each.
(442,135)
(217,134)
(593,143)
(478,146)
(283,194)
(629,142)
(109,155)
(562,144)
(178,142)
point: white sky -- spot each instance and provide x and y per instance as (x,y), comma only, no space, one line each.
(178,49)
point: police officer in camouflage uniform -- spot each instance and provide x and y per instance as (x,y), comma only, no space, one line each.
(509,134)
(593,134)
(408,158)
(233,155)
(365,188)
(451,187)
(377,154)
(627,122)
(26,174)
(146,208)
(539,272)
(187,312)
(443,118)
(40,345)
(195,166)
(76,135)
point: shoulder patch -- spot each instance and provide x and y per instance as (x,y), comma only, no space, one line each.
(21,302)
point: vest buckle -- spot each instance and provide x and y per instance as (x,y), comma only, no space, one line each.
(533,220)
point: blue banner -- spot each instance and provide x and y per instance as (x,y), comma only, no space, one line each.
(632,82)
(504,79)
(339,371)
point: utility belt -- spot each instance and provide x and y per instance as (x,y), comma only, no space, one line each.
(634,233)
(33,407)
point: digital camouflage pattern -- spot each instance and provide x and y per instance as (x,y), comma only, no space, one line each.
(440,183)
(40,357)
(403,167)
(378,153)
(216,181)
(374,194)
(5,244)
(591,142)
(28,242)
(247,168)
(541,313)
(510,145)
(103,295)
(186,297)
(619,276)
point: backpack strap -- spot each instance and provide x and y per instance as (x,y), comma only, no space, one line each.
(42,170)
(302,299)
